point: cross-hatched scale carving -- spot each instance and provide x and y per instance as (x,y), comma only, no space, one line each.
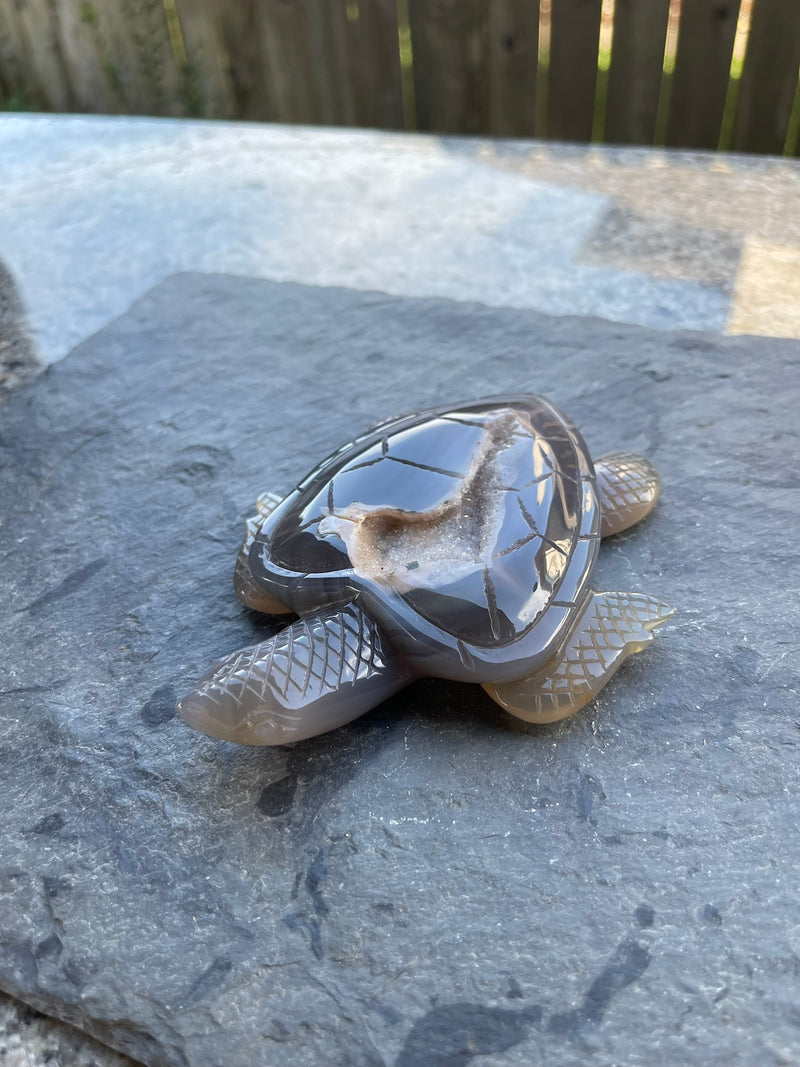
(613,626)
(628,487)
(314,656)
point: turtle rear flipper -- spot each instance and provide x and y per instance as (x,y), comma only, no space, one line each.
(628,487)
(319,673)
(613,626)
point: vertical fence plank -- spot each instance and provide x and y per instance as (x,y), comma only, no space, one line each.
(634,80)
(373,63)
(88,32)
(356,62)
(110,36)
(17,81)
(573,69)
(769,78)
(41,52)
(449,38)
(330,45)
(139,45)
(160,84)
(378,58)
(208,85)
(513,41)
(8,74)
(236,31)
(5,79)
(289,48)
(92,88)
(270,59)
(286,47)
(122,53)
(702,69)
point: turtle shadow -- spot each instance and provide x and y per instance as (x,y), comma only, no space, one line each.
(300,779)
(466,707)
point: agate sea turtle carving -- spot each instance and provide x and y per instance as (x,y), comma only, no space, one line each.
(457,542)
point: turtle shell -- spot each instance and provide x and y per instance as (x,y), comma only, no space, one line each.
(468,532)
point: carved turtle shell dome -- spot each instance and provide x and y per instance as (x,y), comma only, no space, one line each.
(469,532)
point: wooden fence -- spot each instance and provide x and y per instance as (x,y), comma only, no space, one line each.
(691,73)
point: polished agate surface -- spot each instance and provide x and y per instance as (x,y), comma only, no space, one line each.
(456,542)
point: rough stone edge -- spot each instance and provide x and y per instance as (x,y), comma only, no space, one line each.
(19,362)
(28,1036)
(32,1038)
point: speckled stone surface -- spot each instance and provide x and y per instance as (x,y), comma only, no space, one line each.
(435,882)
(97,210)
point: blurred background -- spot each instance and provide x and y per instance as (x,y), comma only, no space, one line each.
(715,74)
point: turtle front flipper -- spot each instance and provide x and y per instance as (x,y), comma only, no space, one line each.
(245,586)
(319,673)
(628,487)
(612,627)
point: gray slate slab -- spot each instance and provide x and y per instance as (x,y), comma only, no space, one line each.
(435,884)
